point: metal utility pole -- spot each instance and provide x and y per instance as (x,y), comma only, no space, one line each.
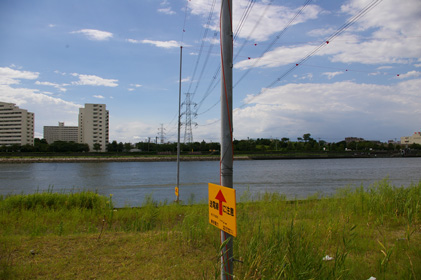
(227,154)
(179,127)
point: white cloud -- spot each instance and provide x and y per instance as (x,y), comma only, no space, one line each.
(331,75)
(274,20)
(166,11)
(403,18)
(166,8)
(278,57)
(133,86)
(384,67)
(391,41)
(136,131)
(335,109)
(48,110)
(9,76)
(162,44)
(321,32)
(213,41)
(185,80)
(60,73)
(410,74)
(133,41)
(308,76)
(98,96)
(96,35)
(57,86)
(92,80)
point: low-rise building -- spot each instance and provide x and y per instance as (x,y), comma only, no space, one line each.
(60,133)
(414,139)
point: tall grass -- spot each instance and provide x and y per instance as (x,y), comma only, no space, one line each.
(50,200)
(357,233)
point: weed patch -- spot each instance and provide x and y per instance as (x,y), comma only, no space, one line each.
(356,234)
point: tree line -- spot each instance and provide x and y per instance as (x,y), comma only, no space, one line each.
(284,145)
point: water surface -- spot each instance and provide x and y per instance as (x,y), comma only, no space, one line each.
(131,182)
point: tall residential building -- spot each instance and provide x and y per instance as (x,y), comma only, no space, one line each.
(61,133)
(16,125)
(94,126)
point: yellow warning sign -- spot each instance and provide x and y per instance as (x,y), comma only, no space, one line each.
(222,208)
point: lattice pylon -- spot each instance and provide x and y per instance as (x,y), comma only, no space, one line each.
(188,132)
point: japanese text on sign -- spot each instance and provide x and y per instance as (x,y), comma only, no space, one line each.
(222,208)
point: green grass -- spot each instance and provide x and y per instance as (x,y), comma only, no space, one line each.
(367,232)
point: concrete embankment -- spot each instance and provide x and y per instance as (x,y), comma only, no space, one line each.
(109,159)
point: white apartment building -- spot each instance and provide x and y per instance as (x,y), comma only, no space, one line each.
(60,133)
(94,126)
(414,139)
(16,125)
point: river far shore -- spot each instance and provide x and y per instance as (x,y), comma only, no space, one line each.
(95,157)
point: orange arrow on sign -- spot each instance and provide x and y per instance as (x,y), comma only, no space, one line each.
(221,199)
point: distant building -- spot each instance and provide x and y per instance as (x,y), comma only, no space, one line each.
(353,139)
(414,139)
(60,133)
(94,126)
(16,125)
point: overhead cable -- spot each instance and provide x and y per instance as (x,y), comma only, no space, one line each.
(273,41)
(346,25)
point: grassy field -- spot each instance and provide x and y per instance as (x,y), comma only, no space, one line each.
(357,234)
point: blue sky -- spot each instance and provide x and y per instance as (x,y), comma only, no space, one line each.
(55,56)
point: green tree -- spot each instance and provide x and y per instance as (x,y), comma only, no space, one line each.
(307,137)
(97,147)
(40,145)
(127,147)
(112,147)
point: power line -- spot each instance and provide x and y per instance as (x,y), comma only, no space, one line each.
(274,41)
(346,25)
(254,28)
(247,11)
(184,23)
(205,34)
(214,82)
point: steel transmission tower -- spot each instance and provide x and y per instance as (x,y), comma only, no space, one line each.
(161,134)
(188,133)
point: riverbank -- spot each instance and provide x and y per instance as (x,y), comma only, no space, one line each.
(107,159)
(356,234)
(95,157)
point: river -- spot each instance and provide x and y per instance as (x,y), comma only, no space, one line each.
(131,182)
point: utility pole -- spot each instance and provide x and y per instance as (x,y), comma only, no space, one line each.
(227,154)
(179,127)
